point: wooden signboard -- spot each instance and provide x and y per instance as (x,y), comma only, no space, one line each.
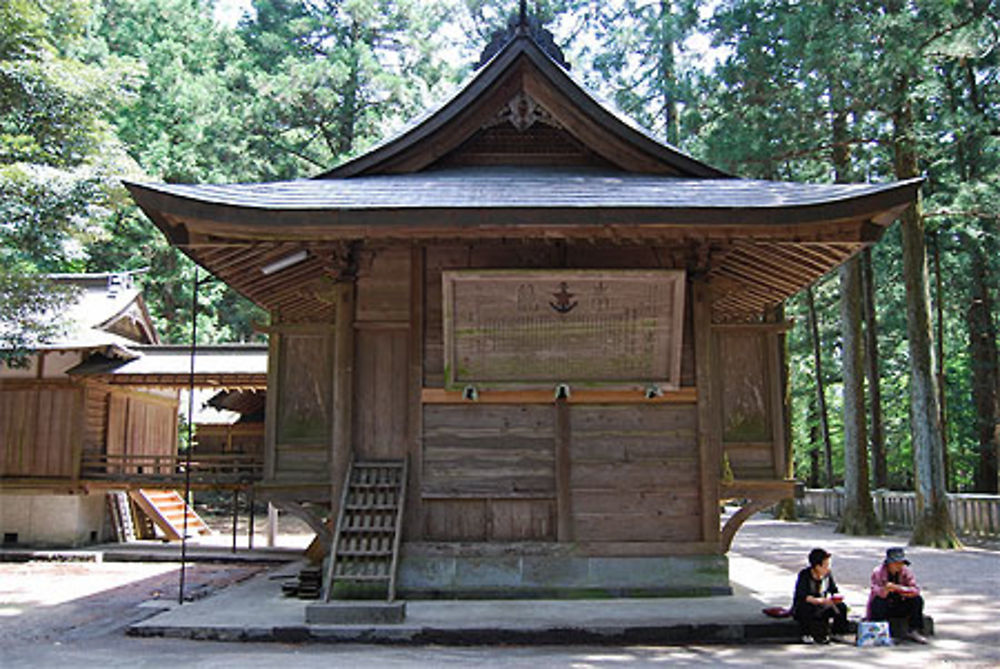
(592,328)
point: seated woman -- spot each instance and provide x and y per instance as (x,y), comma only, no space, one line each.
(895,594)
(816,604)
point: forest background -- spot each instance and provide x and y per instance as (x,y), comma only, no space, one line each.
(96,91)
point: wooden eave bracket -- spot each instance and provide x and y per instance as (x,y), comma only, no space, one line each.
(758,495)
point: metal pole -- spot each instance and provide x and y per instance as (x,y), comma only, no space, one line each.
(236,514)
(250,496)
(190,443)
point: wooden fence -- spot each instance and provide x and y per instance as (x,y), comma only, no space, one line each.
(971,514)
(171,469)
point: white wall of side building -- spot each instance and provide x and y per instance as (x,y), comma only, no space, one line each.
(50,520)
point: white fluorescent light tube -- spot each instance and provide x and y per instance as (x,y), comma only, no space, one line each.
(284,263)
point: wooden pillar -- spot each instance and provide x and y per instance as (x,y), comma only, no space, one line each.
(343,390)
(564,500)
(414,520)
(271,408)
(709,416)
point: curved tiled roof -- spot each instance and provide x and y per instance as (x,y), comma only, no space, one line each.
(492,187)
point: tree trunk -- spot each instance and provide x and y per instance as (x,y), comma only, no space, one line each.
(942,396)
(859,514)
(985,373)
(347,117)
(933,524)
(876,436)
(820,388)
(667,73)
(814,446)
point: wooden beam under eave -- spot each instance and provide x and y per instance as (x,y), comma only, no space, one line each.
(756,257)
(746,272)
(684,395)
(226,257)
(250,276)
(827,253)
(285,288)
(791,253)
(819,224)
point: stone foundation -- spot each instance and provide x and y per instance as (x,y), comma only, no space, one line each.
(49,520)
(429,571)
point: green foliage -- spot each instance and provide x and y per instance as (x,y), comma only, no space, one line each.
(638,54)
(56,154)
(29,306)
(328,78)
(180,127)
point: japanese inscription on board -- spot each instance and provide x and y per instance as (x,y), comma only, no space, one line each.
(525,328)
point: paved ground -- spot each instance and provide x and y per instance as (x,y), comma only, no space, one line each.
(963,591)
(961,588)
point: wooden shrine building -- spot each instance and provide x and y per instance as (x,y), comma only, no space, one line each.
(95,410)
(565,327)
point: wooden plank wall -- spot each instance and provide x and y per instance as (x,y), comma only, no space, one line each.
(139,424)
(488,451)
(382,392)
(381,395)
(38,424)
(634,473)
(304,406)
(633,470)
(152,427)
(488,473)
(96,419)
(747,411)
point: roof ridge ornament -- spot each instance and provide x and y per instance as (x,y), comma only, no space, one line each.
(522,111)
(523,25)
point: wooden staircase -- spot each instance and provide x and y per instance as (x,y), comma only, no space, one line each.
(366,542)
(121,516)
(166,508)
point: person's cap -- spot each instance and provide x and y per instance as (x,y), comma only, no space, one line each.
(816,556)
(895,555)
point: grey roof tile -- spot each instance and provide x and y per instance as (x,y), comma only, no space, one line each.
(507,187)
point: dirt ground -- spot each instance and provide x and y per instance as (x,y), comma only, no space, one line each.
(55,614)
(66,601)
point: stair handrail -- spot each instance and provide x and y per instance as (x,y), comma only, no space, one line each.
(400,507)
(328,581)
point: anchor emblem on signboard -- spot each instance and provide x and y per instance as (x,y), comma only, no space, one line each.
(563,303)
